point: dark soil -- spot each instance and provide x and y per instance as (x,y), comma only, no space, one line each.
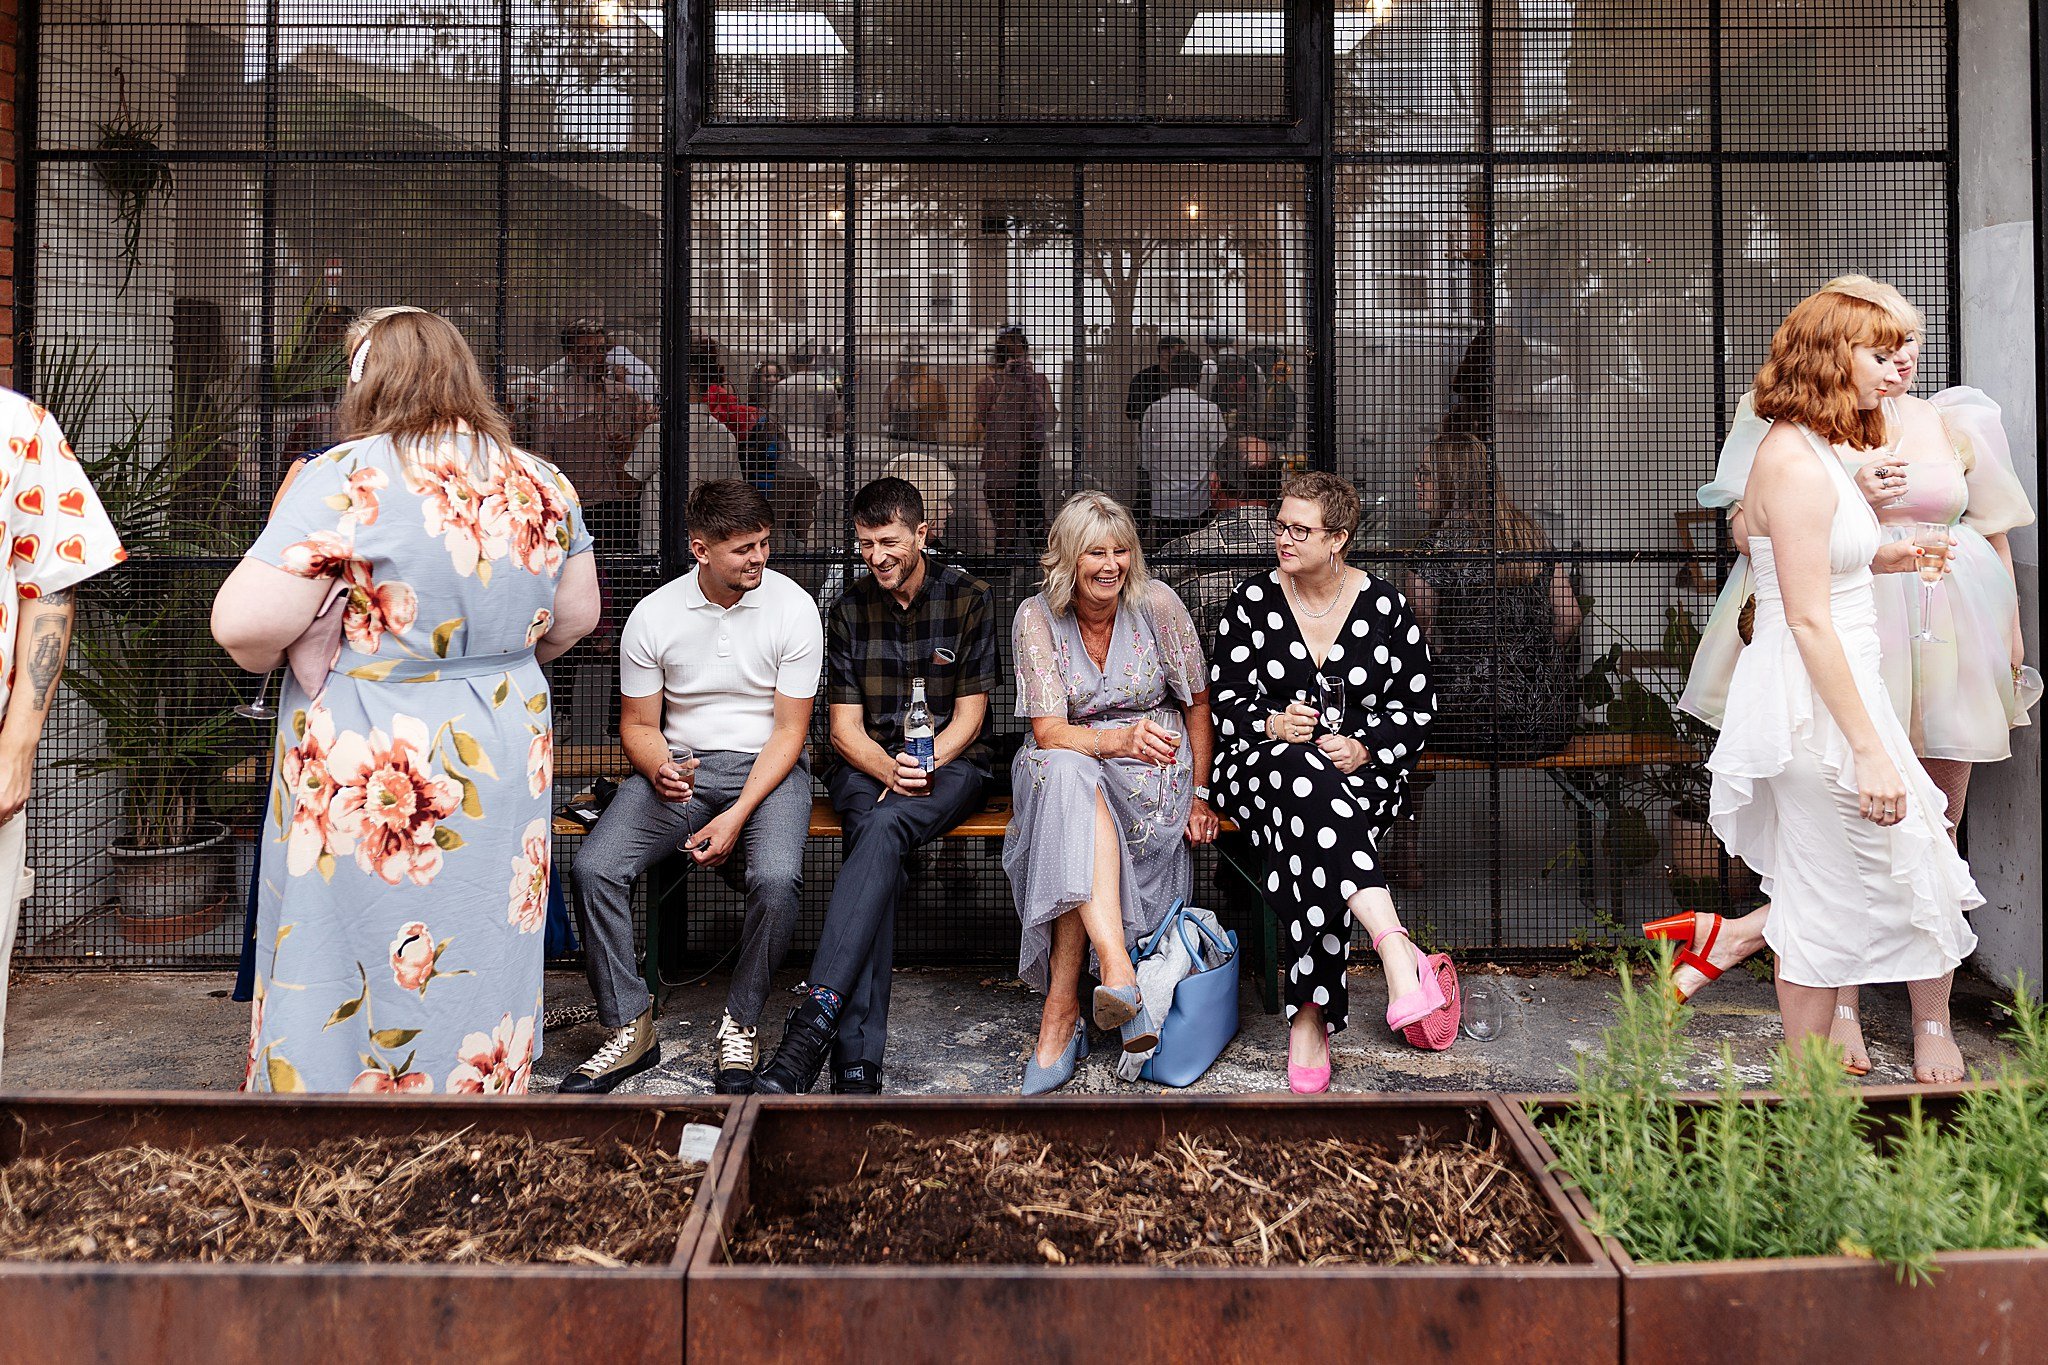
(997,1198)
(433,1197)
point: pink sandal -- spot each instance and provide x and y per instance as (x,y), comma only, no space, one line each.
(1426,999)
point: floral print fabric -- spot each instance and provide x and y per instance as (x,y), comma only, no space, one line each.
(406,862)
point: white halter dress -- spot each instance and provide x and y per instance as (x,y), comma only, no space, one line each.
(1851,902)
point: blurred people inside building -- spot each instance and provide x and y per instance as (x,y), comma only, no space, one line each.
(1013,403)
(1275,411)
(588,415)
(1176,443)
(805,400)
(915,405)
(1244,484)
(712,452)
(1229,380)
(1148,385)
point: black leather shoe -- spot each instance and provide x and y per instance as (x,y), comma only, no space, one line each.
(735,1075)
(800,1056)
(862,1078)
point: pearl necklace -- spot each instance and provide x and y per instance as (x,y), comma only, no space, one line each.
(1301,600)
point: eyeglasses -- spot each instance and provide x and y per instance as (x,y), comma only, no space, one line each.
(1295,533)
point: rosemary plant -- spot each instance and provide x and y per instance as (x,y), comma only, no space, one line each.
(1812,1173)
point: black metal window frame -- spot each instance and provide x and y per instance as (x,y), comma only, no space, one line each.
(1307,139)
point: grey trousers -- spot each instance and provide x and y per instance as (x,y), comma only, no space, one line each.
(857,949)
(639,829)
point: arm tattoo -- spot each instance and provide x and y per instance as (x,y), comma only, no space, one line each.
(46,661)
(60,598)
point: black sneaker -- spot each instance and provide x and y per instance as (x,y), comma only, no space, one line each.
(735,1059)
(800,1056)
(628,1052)
(861,1078)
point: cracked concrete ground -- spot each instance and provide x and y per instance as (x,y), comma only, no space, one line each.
(952,1031)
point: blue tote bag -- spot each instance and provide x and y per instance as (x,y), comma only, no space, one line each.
(1203,1018)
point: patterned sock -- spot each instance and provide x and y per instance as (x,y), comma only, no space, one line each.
(827,1000)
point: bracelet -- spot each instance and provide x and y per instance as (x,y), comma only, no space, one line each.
(1098,744)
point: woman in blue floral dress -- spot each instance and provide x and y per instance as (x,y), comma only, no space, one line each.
(405,879)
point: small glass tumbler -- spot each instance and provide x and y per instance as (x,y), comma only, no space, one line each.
(1486,1007)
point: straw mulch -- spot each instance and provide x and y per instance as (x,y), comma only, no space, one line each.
(434,1197)
(993,1198)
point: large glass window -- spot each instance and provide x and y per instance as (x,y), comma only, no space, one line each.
(1526,235)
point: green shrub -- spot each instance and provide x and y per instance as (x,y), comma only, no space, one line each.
(1811,1174)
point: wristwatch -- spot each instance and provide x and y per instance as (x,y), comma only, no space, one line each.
(1201,793)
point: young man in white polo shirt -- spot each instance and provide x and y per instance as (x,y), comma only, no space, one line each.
(723,661)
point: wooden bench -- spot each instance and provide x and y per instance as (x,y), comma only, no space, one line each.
(1585,753)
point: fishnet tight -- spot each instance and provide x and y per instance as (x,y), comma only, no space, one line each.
(1935,1055)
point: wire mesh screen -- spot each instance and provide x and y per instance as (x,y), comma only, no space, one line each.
(915,61)
(1511,284)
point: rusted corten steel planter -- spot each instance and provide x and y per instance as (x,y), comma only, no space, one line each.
(1981,1306)
(1129,1314)
(217,1314)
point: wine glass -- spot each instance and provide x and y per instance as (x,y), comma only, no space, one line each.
(1330,701)
(679,754)
(258,707)
(1484,1006)
(1930,536)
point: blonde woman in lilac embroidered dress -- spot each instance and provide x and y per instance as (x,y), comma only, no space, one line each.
(1111,785)
(400,911)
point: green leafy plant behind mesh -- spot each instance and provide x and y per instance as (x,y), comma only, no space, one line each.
(1812,1173)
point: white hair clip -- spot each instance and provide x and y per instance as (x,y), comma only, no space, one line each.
(355,365)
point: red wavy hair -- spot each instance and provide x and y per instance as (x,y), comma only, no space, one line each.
(1807,378)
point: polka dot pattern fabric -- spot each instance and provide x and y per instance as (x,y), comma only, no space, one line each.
(1316,828)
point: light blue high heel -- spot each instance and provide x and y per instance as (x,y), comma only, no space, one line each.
(1140,1034)
(1043,1080)
(1116,1006)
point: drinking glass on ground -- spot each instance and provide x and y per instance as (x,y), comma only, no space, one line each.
(1486,1007)
(1931,545)
(259,707)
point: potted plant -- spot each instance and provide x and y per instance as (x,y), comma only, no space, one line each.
(1821,1220)
(163,695)
(1700,875)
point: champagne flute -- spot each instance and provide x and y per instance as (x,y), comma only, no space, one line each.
(678,755)
(258,707)
(1330,701)
(1931,544)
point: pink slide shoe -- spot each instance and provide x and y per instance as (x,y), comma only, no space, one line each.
(1425,1000)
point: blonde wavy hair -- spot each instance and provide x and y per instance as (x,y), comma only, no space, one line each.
(418,380)
(1883,295)
(1086,521)
(1806,380)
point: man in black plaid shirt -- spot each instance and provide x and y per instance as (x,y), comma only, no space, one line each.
(913,616)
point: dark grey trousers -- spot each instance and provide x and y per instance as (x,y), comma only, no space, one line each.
(857,948)
(639,829)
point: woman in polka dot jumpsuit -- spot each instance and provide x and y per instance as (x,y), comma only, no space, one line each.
(1316,803)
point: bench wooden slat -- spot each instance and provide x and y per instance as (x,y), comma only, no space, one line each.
(586,761)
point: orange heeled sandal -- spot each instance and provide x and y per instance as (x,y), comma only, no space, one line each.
(1684,929)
